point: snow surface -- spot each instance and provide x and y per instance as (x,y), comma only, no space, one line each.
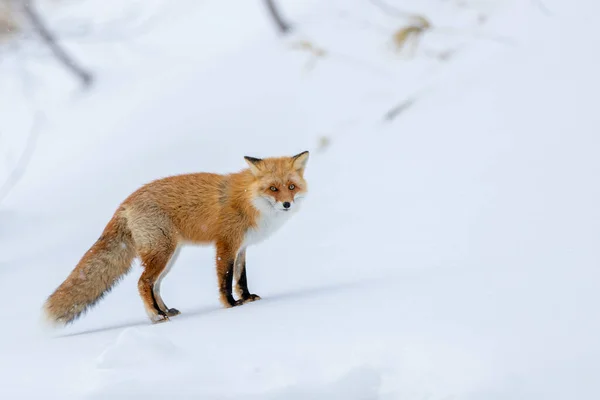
(452,253)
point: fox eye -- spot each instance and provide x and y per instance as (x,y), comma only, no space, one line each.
(273,189)
(292,187)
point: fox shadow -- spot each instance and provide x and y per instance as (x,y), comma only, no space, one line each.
(201,311)
(131,324)
(283,296)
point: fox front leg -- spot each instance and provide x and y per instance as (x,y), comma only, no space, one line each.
(242,280)
(225,264)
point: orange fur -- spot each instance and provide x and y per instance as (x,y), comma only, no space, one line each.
(231,211)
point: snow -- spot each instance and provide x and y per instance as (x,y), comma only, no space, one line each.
(451,253)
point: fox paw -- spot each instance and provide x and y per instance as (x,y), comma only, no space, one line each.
(250,298)
(246,299)
(157,319)
(173,312)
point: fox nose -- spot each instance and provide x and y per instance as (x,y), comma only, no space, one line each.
(286,204)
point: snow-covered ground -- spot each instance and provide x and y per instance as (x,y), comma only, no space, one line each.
(452,253)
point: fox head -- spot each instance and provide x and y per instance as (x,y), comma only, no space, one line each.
(279,182)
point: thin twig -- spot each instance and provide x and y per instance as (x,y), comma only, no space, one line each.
(48,37)
(406,103)
(283,26)
(399,109)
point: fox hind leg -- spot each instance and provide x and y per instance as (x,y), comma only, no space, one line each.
(171,312)
(155,263)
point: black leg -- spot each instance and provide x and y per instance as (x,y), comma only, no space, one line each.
(155,304)
(242,285)
(227,286)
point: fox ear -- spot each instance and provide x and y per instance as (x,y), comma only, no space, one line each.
(254,164)
(299,161)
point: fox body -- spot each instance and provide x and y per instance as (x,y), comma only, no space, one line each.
(231,211)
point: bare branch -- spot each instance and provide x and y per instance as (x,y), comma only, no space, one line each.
(283,26)
(50,40)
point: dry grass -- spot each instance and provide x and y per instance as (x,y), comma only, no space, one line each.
(323,143)
(8,21)
(411,32)
(315,52)
(305,45)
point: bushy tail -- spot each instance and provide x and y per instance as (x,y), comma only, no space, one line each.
(107,261)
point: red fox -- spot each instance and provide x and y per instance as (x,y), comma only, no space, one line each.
(232,211)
